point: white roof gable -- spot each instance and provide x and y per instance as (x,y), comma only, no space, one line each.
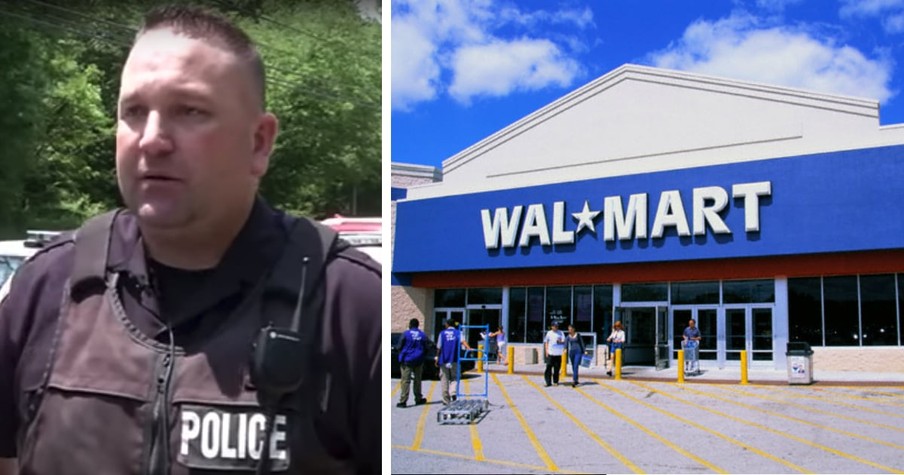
(639,119)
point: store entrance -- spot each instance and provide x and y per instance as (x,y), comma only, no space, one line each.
(439,320)
(489,315)
(726,331)
(646,336)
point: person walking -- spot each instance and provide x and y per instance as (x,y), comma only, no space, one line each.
(616,341)
(500,344)
(412,349)
(691,333)
(448,345)
(553,348)
(576,352)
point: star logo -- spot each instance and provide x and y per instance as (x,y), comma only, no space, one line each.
(585,219)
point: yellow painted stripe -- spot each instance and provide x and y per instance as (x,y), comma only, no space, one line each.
(608,448)
(666,442)
(538,447)
(694,424)
(852,406)
(834,414)
(475,437)
(396,390)
(422,421)
(767,428)
(835,394)
(487,461)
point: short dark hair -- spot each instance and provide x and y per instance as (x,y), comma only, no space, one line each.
(413,323)
(450,322)
(201,23)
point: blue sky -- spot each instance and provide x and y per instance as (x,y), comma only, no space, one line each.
(464,69)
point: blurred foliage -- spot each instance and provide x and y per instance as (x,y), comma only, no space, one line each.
(60,82)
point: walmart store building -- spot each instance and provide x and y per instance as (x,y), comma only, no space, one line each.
(650,196)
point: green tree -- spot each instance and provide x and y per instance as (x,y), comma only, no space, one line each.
(60,82)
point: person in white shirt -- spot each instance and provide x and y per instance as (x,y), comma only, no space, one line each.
(553,348)
(616,341)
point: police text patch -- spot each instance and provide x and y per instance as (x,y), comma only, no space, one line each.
(226,438)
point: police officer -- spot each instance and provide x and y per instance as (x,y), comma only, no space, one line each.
(125,346)
(412,350)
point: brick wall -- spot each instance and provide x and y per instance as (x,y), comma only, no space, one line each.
(869,360)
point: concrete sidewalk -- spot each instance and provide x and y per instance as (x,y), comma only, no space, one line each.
(715,375)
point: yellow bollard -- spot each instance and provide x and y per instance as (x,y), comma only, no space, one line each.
(744,367)
(680,366)
(564,364)
(618,354)
(480,357)
(510,359)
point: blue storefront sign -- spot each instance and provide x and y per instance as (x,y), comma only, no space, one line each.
(830,202)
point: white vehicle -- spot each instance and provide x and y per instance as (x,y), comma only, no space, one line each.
(14,253)
(365,234)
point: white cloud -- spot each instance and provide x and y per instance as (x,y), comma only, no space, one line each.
(437,40)
(776,5)
(894,23)
(412,62)
(890,13)
(740,47)
(579,18)
(867,8)
(501,67)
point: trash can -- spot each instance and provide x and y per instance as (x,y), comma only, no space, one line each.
(800,362)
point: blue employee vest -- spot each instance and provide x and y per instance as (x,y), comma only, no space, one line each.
(413,343)
(450,339)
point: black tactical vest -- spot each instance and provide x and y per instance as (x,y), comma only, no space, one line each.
(115,401)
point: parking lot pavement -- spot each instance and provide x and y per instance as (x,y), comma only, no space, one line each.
(654,426)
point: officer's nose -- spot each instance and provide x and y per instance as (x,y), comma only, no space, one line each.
(155,139)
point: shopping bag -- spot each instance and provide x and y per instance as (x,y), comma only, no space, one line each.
(586,361)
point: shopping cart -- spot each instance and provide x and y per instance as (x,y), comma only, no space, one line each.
(691,357)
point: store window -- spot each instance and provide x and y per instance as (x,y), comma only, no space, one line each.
(748,291)
(583,309)
(805,310)
(645,292)
(842,325)
(602,312)
(485,296)
(558,307)
(443,298)
(695,293)
(900,295)
(535,306)
(517,314)
(878,312)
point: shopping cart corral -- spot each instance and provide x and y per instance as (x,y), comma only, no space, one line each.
(691,357)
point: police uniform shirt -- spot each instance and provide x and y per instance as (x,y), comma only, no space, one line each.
(192,304)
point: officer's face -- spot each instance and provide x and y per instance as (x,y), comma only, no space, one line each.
(192,141)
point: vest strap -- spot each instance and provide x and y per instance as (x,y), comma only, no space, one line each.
(92,244)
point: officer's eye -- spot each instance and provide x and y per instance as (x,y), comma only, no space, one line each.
(133,111)
(191,111)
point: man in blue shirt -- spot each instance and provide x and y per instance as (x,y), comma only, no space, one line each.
(692,333)
(447,356)
(412,349)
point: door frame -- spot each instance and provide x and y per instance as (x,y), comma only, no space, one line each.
(447,311)
(469,308)
(721,331)
(748,329)
(656,306)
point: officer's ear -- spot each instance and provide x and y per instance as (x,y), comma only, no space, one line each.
(266,130)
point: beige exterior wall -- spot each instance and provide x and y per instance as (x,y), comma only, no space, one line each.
(868,360)
(408,303)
